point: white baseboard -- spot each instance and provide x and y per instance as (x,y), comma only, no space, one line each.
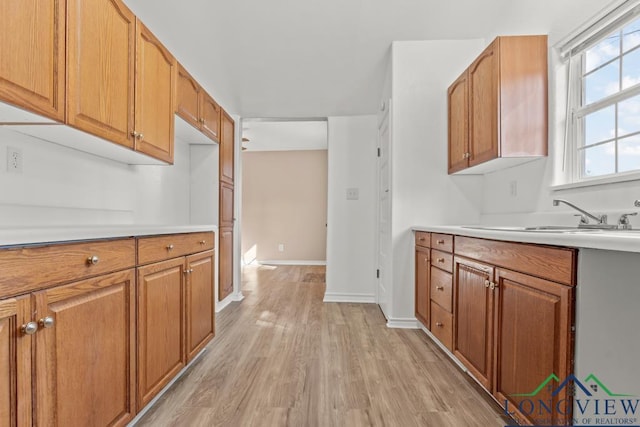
(345,297)
(221,305)
(400,323)
(238,296)
(290,262)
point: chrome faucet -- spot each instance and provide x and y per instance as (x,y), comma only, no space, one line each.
(637,203)
(600,219)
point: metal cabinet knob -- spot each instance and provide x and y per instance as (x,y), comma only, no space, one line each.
(202,242)
(29,328)
(134,134)
(46,322)
(487,283)
(170,247)
(93,260)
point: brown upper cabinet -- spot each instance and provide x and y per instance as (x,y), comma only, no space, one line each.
(155,92)
(227,148)
(101,40)
(196,106)
(32,64)
(120,80)
(498,107)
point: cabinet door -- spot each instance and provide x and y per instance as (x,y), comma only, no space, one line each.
(200,302)
(210,111)
(32,63)
(226,205)
(423,266)
(100,49)
(227,142)
(533,341)
(483,105)
(473,329)
(160,326)
(225,263)
(15,363)
(458,105)
(188,94)
(85,360)
(155,89)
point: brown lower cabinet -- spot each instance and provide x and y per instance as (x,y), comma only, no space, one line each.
(513,314)
(175,317)
(69,339)
(84,352)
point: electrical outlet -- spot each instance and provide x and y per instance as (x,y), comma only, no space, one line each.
(280,247)
(14,160)
(353,194)
(513,188)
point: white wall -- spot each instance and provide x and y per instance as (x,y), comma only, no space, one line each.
(422,191)
(350,223)
(62,186)
(203,184)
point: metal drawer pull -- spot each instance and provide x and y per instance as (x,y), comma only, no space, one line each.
(440,242)
(439,324)
(29,328)
(170,247)
(440,288)
(441,260)
(422,239)
(189,271)
(46,322)
(202,242)
(93,260)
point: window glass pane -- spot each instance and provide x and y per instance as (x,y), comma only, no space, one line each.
(604,51)
(599,160)
(631,69)
(629,154)
(602,83)
(629,116)
(600,125)
(631,35)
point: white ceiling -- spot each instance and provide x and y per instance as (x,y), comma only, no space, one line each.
(318,58)
(284,136)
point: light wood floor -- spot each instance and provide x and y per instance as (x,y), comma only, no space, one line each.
(282,357)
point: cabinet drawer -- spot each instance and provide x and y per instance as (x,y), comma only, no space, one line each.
(443,242)
(441,285)
(159,248)
(442,260)
(442,325)
(423,239)
(30,268)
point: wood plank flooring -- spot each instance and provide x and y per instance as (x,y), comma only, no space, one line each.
(282,357)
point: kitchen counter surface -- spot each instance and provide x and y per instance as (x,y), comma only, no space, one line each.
(619,240)
(10,236)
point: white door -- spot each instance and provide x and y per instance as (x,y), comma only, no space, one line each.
(384,214)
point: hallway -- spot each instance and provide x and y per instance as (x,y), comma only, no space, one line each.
(282,357)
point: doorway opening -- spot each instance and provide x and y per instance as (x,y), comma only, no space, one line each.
(284,192)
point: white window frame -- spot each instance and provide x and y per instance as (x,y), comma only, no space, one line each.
(573,52)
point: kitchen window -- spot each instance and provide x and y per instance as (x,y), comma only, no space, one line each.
(603,134)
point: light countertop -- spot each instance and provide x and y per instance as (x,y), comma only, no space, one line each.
(618,240)
(30,235)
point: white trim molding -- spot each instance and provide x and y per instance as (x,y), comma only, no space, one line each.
(290,262)
(403,323)
(238,296)
(221,305)
(348,297)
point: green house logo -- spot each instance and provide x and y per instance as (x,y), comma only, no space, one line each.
(590,402)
